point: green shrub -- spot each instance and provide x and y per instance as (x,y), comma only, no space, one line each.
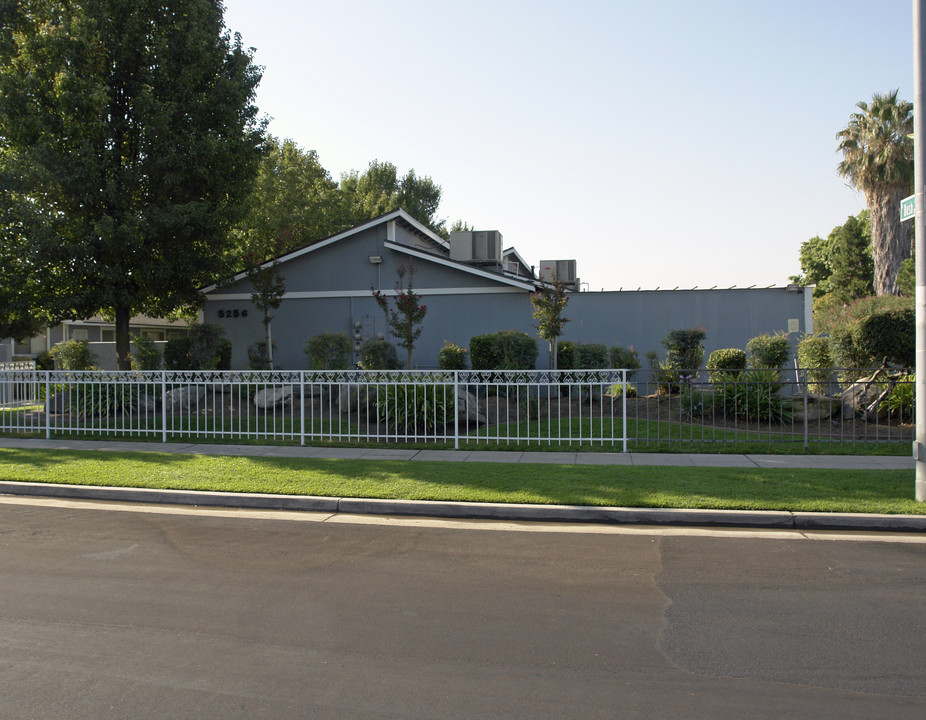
(74,355)
(566,355)
(768,351)
(755,396)
(846,353)
(890,335)
(624,358)
(900,400)
(257,355)
(203,348)
(726,364)
(415,407)
(504,350)
(813,355)
(452,357)
(378,355)
(328,351)
(592,356)
(581,356)
(44,361)
(617,390)
(836,315)
(684,350)
(147,355)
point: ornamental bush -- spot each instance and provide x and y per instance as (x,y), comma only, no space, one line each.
(504,350)
(328,351)
(203,348)
(624,358)
(726,364)
(146,355)
(566,355)
(769,351)
(74,355)
(592,356)
(452,357)
(813,355)
(684,350)
(420,407)
(890,335)
(378,355)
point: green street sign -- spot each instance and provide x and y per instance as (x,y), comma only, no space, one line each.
(907,208)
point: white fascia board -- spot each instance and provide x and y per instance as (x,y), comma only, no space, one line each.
(388,218)
(522,285)
(312,295)
(512,251)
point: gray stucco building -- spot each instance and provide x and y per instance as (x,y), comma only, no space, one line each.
(328,289)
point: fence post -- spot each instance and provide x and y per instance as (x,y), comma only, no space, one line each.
(47,404)
(302,407)
(456,409)
(624,405)
(163,406)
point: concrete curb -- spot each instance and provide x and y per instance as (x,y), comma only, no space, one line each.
(772,520)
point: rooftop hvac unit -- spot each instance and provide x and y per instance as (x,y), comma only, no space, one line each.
(565,271)
(477,247)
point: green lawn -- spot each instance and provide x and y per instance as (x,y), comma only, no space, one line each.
(880,491)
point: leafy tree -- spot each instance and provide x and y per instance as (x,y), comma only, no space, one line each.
(549,302)
(128,140)
(268,286)
(878,160)
(840,265)
(406,317)
(294,199)
(379,190)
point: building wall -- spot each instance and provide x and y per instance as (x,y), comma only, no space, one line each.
(329,290)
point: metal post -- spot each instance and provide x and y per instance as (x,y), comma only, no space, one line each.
(163,406)
(458,402)
(919,180)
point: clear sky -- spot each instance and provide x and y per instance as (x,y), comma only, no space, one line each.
(663,144)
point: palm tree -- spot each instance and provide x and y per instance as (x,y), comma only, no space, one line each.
(878,160)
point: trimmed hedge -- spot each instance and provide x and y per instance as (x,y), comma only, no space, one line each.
(888,334)
(725,363)
(768,351)
(378,355)
(504,350)
(452,357)
(328,351)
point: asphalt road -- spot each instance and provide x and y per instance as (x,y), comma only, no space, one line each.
(208,614)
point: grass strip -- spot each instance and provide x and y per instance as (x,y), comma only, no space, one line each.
(809,490)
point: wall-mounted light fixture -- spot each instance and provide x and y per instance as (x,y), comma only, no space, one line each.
(376,259)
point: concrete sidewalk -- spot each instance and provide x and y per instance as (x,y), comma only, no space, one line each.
(488,511)
(835,462)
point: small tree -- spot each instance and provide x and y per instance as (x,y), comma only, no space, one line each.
(549,302)
(406,317)
(269,285)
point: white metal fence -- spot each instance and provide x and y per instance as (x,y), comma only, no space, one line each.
(608,409)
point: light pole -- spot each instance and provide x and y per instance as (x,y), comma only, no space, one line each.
(919,189)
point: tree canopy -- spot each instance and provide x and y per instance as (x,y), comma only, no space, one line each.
(840,265)
(129,139)
(878,160)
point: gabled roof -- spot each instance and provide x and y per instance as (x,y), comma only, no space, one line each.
(440,253)
(508,279)
(402,218)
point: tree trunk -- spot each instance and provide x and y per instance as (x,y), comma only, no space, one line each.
(269,340)
(554,345)
(889,242)
(123,346)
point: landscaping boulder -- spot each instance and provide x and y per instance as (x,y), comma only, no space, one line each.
(273,397)
(468,406)
(184,398)
(352,397)
(819,407)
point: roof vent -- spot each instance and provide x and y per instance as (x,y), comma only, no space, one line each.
(565,271)
(484,246)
